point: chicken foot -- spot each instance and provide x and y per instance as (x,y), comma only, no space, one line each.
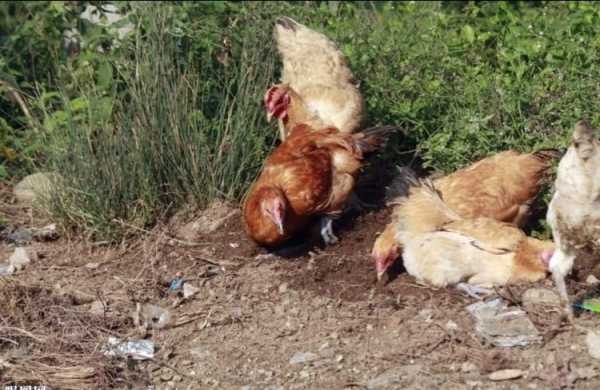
(474,291)
(327,230)
(560,265)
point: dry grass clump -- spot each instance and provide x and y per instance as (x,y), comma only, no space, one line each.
(47,338)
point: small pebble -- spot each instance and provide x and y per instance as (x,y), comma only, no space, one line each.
(166,375)
(303,357)
(593,343)
(503,375)
(324,346)
(468,367)
(304,374)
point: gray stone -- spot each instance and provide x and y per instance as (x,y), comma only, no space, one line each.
(303,357)
(189,290)
(19,259)
(33,186)
(20,236)
(6,269)
(211,220)
(540,296)
(503,375)
(592,340)
(468,367)
(47,233)
(394,377)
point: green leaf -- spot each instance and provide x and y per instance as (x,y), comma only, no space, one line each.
(105,75)
(78,104)
(468,33)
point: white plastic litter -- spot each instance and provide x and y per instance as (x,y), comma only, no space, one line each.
(503,326)
(137,349)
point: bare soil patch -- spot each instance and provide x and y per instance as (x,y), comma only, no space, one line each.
(313,320)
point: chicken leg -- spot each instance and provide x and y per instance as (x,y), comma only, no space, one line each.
(560,265)
(477,292)
(327,230)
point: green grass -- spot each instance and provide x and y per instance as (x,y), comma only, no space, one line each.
(161,121)
(163,133)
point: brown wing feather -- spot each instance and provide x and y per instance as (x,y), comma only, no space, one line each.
(502,187)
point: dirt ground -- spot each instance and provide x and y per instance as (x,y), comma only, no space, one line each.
(314,319)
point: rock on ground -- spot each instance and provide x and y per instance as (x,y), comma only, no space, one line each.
(32,186)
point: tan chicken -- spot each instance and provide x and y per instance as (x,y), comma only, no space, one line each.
(311,174)
(501,187)
(441,249)
(574,211)
(317,86)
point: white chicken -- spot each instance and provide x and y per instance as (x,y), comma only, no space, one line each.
(574,211)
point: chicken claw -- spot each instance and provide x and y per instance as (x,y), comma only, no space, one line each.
(559,282)
(327,230)
(474,291)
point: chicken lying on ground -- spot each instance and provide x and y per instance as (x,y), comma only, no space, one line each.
(442,249)
(310,174)
(501,187)
(574,211)
(317,87)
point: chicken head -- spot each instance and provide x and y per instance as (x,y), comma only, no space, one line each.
(277,101)
(273,206)
(385,252)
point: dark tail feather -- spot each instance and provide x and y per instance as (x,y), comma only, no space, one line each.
(287,23)
(374,138)
(546,155)
(402,183)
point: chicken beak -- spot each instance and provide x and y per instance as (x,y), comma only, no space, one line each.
(280,227)
(269,116)
(381,265)
(546,257)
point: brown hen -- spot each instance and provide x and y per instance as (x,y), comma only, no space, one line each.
(311,174)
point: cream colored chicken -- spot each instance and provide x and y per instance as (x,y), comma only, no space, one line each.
(502,187)
(446,250)
(316,77)
(574,211)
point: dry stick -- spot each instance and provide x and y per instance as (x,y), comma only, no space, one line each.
(9,340)
(162,363)
(21,102)
(25,332)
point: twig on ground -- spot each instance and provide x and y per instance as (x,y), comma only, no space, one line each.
(39,339)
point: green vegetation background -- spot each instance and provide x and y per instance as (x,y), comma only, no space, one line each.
(172,113)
